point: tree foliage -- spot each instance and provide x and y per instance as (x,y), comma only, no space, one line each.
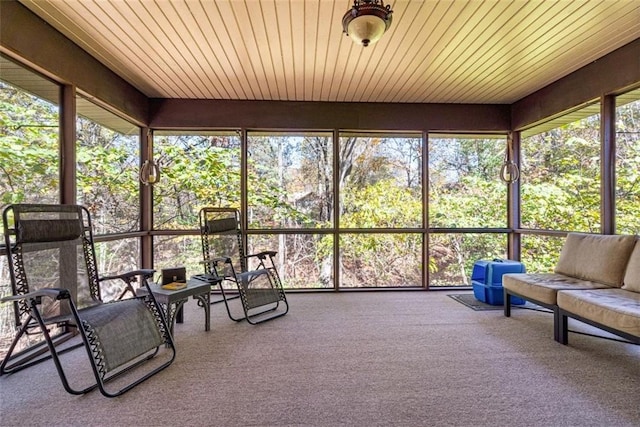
(28,148)
(196,171)
(107,177)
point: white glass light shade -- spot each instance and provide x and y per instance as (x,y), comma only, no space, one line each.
(367,21)
(366,29)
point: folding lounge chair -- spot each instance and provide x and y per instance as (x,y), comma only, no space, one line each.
(55,284)
(259,289)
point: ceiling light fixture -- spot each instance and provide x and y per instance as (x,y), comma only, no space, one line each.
(367,21)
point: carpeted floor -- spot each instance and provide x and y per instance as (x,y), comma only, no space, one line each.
(358,359)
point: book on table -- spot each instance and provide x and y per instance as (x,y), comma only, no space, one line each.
(174,286)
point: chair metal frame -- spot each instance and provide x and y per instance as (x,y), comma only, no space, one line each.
(71,225)
(259,305)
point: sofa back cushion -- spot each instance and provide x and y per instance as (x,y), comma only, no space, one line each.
(632,276)
(596,257)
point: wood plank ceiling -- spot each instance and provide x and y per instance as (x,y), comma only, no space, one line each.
(451,51)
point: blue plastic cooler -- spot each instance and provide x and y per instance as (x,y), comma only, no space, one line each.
(486,279)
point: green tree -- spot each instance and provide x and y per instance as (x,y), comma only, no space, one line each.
(106,180)
(196,171)
(28,148)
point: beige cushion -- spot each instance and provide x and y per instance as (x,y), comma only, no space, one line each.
(596,257)
(616,308)
(632,275)
(542,287)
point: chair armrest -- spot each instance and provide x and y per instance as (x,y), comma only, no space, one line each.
(224,259)
(54,293)
(147,273)
(208,278)
(262,255)
(129,278)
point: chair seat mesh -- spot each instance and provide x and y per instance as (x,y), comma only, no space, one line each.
(118,341)
(257,288)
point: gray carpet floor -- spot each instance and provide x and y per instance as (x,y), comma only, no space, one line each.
(358,359)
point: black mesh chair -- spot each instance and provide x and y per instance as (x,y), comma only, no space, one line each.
(258,286)
(57,296)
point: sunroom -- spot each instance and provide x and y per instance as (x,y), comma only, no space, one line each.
(470,130)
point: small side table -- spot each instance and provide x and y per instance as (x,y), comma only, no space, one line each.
(172,301)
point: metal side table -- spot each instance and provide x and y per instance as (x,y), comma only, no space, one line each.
(172,301)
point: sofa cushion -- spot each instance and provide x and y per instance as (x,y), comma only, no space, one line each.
(543,287)
(613,307)
(632,275)
(596,257)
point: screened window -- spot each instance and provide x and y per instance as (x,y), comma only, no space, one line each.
(380,181)
(196,170)
(304,261)
(560,175)
(29,135)
(386,260)
(540,253)
(290,187)
(290,180)
(380,186)
(452,255)
(107,159)
(171,251)
(465,190)
(116,257)
(628,163)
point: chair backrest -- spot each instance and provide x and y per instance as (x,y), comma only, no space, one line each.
(50,246)
(222,237)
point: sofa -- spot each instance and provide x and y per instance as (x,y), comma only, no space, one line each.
(596,281)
